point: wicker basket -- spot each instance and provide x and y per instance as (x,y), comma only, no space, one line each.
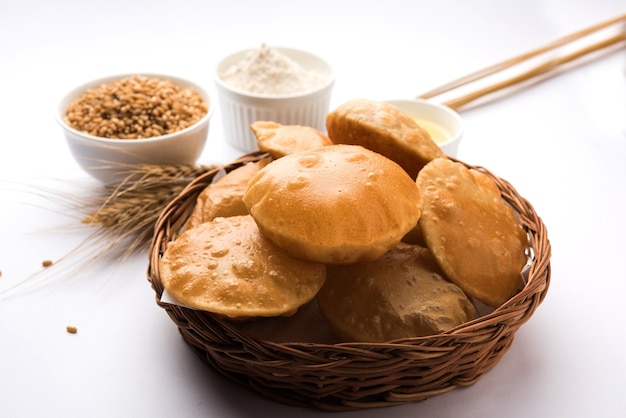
(351,376)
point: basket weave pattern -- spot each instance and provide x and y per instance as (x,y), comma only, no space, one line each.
(351,376)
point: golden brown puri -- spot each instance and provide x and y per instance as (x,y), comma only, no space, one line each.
(383,128)
(335,204)
(403,294)
(280,140)
(471,231)
(224,197)
(227,267)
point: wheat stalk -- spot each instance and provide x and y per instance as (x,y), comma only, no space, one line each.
(123,216)
(133,206)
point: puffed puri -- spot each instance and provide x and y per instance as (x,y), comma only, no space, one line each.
(337,204)
(403,294)
(383,128)
(472,232)
(227,267)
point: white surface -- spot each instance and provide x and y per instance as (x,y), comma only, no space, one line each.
(561,142)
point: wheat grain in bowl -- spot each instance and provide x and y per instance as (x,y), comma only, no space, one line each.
(114,123)
(136,107)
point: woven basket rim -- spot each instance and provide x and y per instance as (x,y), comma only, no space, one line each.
(201,330)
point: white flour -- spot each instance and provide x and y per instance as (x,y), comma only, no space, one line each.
(269,72)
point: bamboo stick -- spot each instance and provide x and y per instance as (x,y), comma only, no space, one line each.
(541,69)
(534,72)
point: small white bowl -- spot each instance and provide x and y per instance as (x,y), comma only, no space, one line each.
(239,109)
(443,124)
(109,160)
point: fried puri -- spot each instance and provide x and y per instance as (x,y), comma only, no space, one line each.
(280,140)
(403,294)
(223,197)
(336,204)
(471,231)
(227,267)
(383,128)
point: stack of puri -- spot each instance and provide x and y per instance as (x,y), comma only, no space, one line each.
(393,238)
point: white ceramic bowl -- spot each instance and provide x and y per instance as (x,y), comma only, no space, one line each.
(109,160)
(239,109)
(443,124)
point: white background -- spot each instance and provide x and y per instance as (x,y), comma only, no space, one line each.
(561,142)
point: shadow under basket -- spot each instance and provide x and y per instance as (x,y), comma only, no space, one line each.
(351,376)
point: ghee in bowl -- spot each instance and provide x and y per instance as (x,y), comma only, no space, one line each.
(444,125)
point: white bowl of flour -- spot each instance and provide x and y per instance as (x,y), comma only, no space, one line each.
(283,85)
